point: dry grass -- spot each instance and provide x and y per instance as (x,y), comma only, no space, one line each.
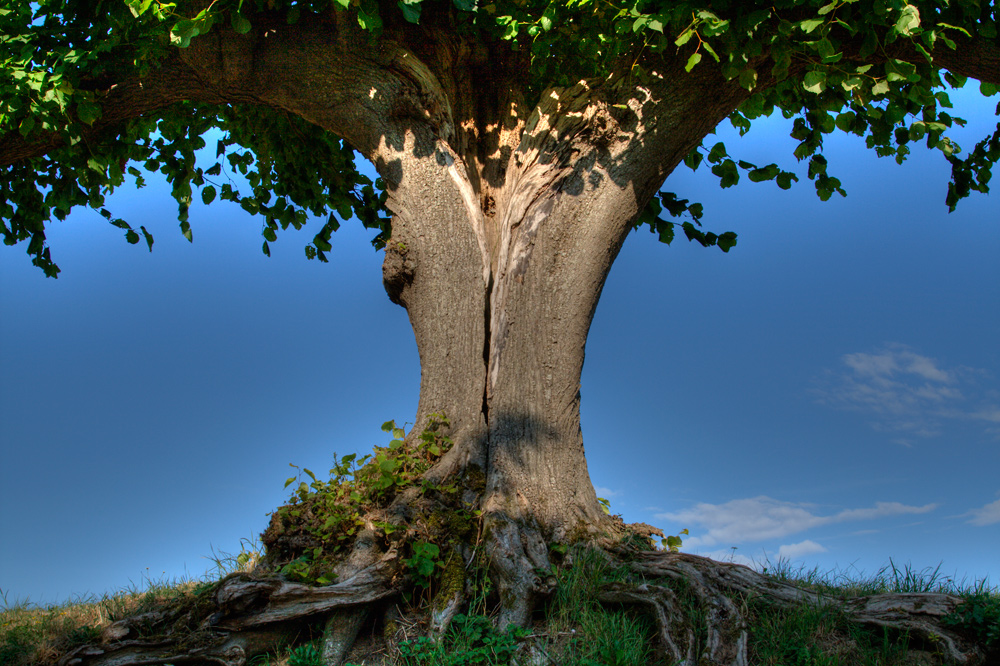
(32,635)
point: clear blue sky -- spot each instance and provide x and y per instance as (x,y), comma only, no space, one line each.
(828,392)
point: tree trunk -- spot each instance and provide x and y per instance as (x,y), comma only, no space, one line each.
(501,278)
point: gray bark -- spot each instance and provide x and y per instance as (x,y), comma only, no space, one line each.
(506,222)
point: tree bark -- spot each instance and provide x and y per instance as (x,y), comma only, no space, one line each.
(501,278)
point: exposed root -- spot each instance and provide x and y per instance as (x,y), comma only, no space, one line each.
(340,632)
(517,555)
(713,586)
(244,617)
(701,608)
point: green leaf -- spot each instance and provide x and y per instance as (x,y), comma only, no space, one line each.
(784,179)
(692,61)
(207,194)
(717,153)
(86,111)
(131,237)
(727,173)
(814,81)
(908,21)
(148,236)
(684,37)
(809,25)
(845,121)
(369,21)
(726,241)
(240,23)
(411,11)
(765,173)
(184,31)
(748,78)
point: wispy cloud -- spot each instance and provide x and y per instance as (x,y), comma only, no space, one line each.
(762,518)
(986,515)
(730,555)
(606,492)
(796,550)
(906,391)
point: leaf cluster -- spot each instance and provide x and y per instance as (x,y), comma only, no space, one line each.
(979,615)
(864,67)
(59,61)
(330,513)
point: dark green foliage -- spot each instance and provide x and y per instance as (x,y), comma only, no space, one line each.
(305,655)
(423,563)
(328,514)
(471,640)
(979,615)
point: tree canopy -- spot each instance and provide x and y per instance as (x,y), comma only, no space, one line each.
(94,94)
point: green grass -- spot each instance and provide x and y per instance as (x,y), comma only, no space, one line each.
(812,636)
(32,635)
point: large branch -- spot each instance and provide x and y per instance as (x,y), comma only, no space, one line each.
(324,69)
(975,58)
(167,84)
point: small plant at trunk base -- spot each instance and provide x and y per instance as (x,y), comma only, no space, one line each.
(305,655)
(423,563)
(471,640)
(322,518)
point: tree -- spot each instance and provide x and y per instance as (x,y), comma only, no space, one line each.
(517,144)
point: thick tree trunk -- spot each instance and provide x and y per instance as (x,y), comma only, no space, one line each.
(501,278)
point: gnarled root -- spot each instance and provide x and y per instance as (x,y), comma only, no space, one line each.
(244,617)
(702,609)
(712,586)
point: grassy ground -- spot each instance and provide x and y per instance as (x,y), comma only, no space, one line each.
(571,630)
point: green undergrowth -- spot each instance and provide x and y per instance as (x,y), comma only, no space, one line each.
(318,525)
(824,636)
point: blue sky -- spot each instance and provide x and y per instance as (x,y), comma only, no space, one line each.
(828,392)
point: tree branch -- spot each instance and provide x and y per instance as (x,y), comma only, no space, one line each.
(169,83)
(976,58)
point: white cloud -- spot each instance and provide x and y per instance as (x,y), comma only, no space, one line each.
(906,391)
(895,360)
(797,550)
(605,492)
(987,515)
(762,518)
